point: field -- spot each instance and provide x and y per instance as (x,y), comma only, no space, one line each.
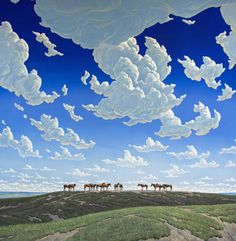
(118,216)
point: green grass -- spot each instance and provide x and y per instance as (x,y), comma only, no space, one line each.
(130,224)
(73,204)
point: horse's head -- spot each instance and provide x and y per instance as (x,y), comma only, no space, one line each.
(153,185)
(108,184)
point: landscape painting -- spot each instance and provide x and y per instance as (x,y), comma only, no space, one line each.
(117,120)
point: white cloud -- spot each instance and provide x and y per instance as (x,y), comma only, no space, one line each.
(39,177)
(15,1)
(98,169)
(206,178)
(24,146)
(150,177)
(10,170)
(227,93)
(139,172)
(85,77)
(127,161)
(231,179)
(77,172)
(150,145)
(29,168)
(52,131)
(70,110)
(202,163)
(47,150)
(25,116)
(188,22)
(90,23)
(208,71)
(174,171)
(228,150)
(191,153)
(172,125)
(64,90)
(47,169)
(138,91)
(14,75)
(51,51)
(230,164)
(66,155)
(19,107)
(4,123)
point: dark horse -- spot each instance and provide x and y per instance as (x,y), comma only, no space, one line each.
(69,187)
(165,186)
(143,186)
(157,185)
(118,187)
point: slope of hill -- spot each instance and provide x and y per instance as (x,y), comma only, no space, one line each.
(182,223)
(64,205)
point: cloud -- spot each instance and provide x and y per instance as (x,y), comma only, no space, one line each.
(14,75)
(64,90)
(228,150)
(25,116)
(24,146)
(172,125)
(78,173)
(127,160)
(29,168)
(85,77)
(47,150)
(19,107)
(174,171)
(90,24)
(52,131)
(191,153)
(202,163)
(66,155)
(206,178)
(10,170)
(98,169)
(231,179)
(15,1)
(4,123)
(208,71)
(138,91)
(47,169)
(227,93)
(150,145)
(70,110)
(230,164)
(150,177)
(188,22)
(51,51)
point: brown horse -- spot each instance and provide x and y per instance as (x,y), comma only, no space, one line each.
(157,185)
(143,186)
(88,185)
(70,187)
(165,186)
(106,185)
(100,185)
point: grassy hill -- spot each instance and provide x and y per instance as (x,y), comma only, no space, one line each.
(200,222)
(64,205)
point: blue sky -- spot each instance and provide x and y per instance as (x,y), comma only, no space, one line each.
(112,137)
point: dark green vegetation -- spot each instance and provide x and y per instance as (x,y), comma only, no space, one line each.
(129,224)
(64,205)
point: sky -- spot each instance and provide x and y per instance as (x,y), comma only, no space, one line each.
(130,124)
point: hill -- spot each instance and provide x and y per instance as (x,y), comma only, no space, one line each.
(64,205)
(182,223)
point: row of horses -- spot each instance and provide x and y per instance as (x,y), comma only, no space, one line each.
(117,187)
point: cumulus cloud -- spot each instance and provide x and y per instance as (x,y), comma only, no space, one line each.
(191,153)
(188,22)
(51,51)
(70,110)
(24,146)
(89,23)
(174,171)
(19,107)
(47,169)
(206,178)
(230,164)
(78,173)
(10,170)
(29,168)
(64,90)
(66,155)
(97,169)
(202,163)
(128,160)
(14,75)
(173,127)
(150,177)
(228,150)
(52,131)
(150,145)
(208,71)
(231,179)
(85,77)
(227,93)
(138,91)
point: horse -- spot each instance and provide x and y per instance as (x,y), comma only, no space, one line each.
(118,186)
(157,185)
(106,185)
(100,185)
(142,186)
(88,185)
(165,186)
(70,187)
